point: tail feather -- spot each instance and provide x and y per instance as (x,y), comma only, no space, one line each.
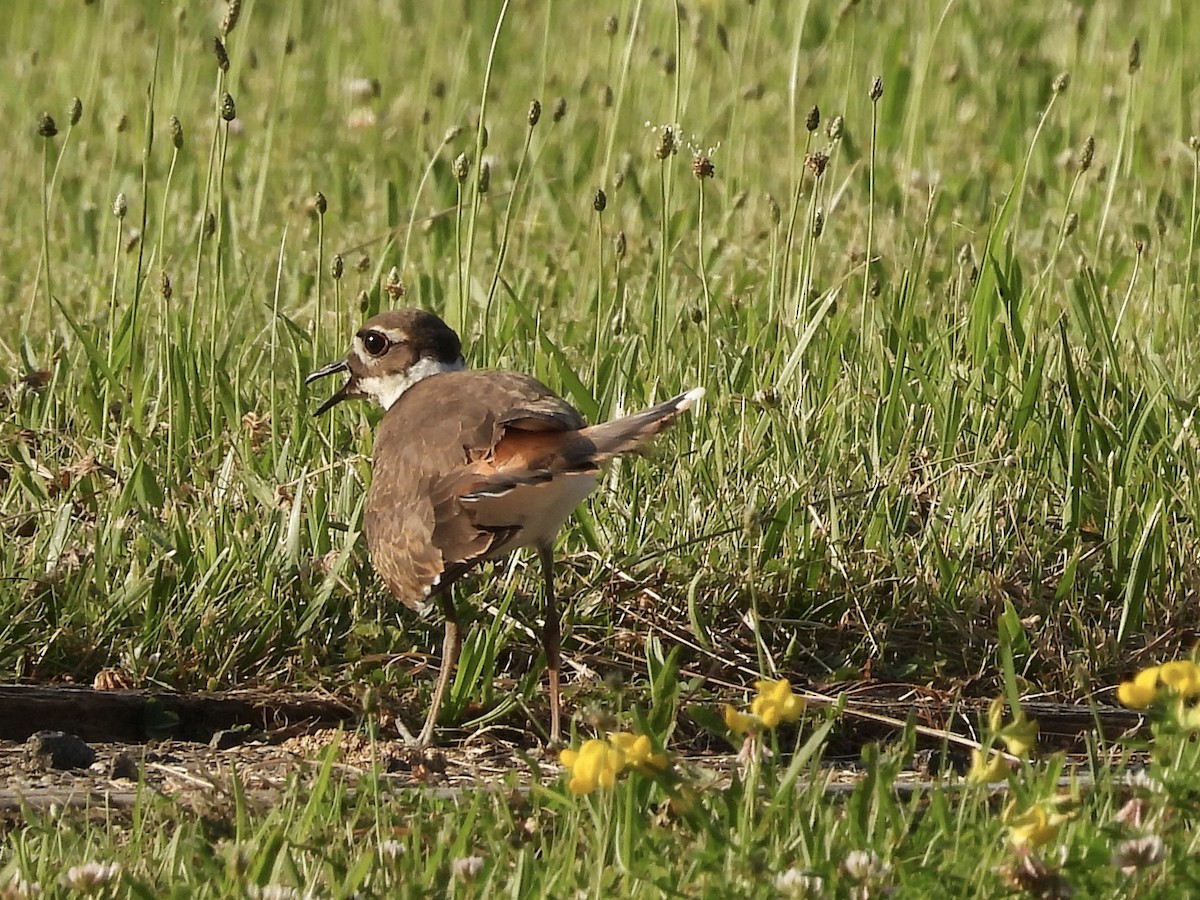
(625,434)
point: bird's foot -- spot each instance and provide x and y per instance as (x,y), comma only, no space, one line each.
(422,741)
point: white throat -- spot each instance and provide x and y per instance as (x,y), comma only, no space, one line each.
(387,389)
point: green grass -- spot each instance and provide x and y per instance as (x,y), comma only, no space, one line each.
(951,381)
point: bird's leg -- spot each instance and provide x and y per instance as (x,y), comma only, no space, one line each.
(551,637)
(451,645)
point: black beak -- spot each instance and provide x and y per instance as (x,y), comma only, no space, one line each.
(344,393)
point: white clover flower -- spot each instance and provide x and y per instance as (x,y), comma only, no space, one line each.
(467,869)
(1143,780)
(360,118)
(1133,813)
(392,850)
(1138,853)
(17,888)
(91,876)
(361,88)
(274,892)
(861,865)
(797,883)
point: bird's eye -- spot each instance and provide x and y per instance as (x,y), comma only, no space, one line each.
(375,343)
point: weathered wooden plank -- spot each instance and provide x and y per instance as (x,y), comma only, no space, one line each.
(135,716)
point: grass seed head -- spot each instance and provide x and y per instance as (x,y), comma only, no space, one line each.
(484,182)
(320,204)
(176,133)
(364,302)
(1061,82)
(535,112)
(394,286)
(462,167)
(221,55)
(1135,56)
(619,245)
(773,210)
(876,89)
(75,111)
(817,161)
(233,9)
(560,108)
(1071,224)
(228,107)
(606,96)
(836,128)
(120,205)
(164,285)
(1087,154)
(46,127)
(668,142)
(363,264)
(813,120)
(702,166)
(1194,143)
(210,225)
(337,267)
(600,200)
(818,225)
(611,24)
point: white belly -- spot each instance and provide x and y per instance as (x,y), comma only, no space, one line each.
(539,510)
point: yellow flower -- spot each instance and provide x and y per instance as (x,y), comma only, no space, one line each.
(1035,826)
(776,703)
(995,715)
(596,764)
(1182,676)
(738,722)
(1032,828)
(1186,714)
(1139,693)
(1019,735)
(638,752)
(986,769)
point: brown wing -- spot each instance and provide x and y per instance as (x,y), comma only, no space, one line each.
(433,447)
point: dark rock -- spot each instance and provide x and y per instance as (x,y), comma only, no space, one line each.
(58,750)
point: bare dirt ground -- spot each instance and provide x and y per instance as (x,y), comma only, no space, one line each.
(200,748)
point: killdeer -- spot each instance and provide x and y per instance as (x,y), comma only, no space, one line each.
(468,467)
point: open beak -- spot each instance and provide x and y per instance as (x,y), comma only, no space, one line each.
(344,393)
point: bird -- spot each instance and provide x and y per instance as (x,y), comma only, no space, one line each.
(469,466)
